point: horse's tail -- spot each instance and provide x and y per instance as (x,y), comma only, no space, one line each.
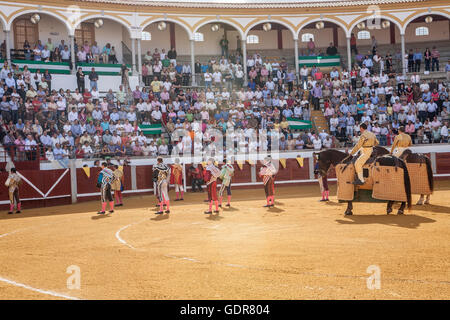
(430,172)
(407,183)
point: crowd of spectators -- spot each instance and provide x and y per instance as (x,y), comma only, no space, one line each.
(39,121)
(51,52)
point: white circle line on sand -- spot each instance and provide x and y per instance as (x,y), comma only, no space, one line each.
(118,237)
(10,233)
(47,292)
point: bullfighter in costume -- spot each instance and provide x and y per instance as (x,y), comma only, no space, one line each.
(226,174)
(267,173)
(117,186)
(161,173)
(176,178)
(104,181)
(323,183)
(210,176)
(13,182)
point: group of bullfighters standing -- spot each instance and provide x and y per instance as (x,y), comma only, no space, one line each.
(110,182)
(163,175)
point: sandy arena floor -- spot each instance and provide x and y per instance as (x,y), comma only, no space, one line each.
(302,249)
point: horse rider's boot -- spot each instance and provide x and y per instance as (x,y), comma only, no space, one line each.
(358,182)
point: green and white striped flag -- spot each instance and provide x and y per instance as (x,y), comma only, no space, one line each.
(102,69)
(319,61)
(151,128)
(52,67)
(297,124)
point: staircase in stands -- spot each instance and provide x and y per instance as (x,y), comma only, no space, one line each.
(319,121)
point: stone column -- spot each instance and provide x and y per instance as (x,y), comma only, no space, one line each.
(192,43)
(139,60)
(133,56)
(72,53)
(244,60)
(297,69)
(8,46)
(349,55)
(404,66)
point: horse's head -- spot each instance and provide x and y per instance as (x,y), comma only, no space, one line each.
(323,163)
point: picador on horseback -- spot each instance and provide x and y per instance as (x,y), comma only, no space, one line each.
(401,142)
(365,145)
(379,174)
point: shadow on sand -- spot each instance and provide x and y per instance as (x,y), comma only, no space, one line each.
(160,217)
(101,216)
(402,221)
(214,217)
(431,208)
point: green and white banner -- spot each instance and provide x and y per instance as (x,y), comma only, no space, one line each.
(297,124)
(106,69)
(151,128)
(52,67)
(319,61)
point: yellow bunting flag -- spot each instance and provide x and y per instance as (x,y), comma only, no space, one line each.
(251,162)
(240,164)
(300,161)
(283,162)
(87,170)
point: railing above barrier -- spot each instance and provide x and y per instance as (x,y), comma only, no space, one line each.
(23,156)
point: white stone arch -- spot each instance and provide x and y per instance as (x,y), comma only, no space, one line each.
(284,24)
(49,13)
(237,27)
(177,22)
(390,19)
(421,14)
(105,17)
(3,22)
(340,24)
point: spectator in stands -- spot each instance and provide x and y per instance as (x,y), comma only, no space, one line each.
(37,53)
(417,58)
(27,50)
(80,80)
(331,50)
(427,58)
(113,56)
(81,55)
(106,51)
(435,55)
(224,45)
(353,44)
(93,78)
(311,46)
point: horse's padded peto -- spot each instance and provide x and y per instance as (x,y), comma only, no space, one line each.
(345,176)
(388,183)
(418,174)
